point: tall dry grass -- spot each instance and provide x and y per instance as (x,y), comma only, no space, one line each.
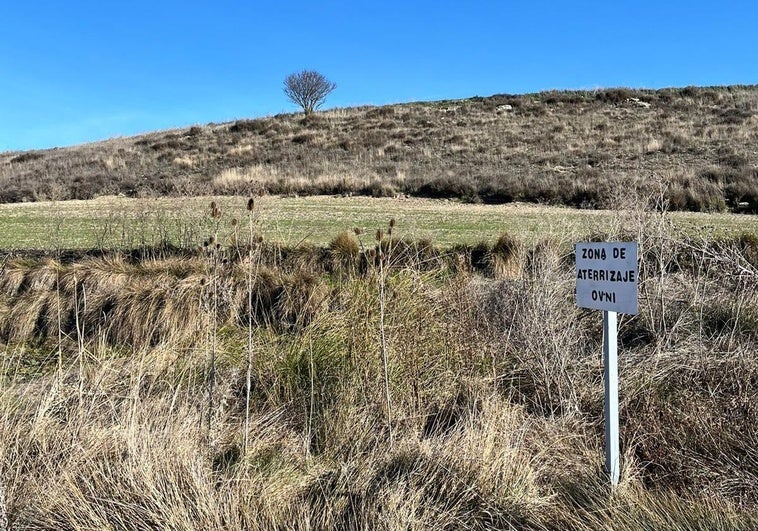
(495,386)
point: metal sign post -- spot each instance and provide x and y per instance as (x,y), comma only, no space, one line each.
(611,378)
(606,279)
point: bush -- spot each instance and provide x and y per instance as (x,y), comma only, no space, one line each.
(703,193)
(314,121)
(734,116)
(377,188)
(728,157)
(448,187)
(303,138)
(381,112)
(616,96)
(248,126)
(27,157)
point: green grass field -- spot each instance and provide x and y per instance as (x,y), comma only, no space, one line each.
(117,222)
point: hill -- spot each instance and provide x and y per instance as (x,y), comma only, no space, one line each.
(579,148)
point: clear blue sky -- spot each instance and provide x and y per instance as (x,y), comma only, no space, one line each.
(78,71)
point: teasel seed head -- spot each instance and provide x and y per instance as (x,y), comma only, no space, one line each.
(234,222)
(392,222)
(357,231)
(250,204)
(379,235)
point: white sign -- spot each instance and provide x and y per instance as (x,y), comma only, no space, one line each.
(606,279)
(606,276)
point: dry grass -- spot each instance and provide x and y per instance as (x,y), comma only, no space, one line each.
(495,388)
(149,302)
(570,148)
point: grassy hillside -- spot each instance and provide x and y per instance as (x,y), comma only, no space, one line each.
(584,149)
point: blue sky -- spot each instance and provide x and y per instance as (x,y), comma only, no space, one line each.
(79,71)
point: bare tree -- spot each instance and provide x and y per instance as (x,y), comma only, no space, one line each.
(308,89)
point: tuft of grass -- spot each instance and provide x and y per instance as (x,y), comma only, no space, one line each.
(345,250)
(507,256)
